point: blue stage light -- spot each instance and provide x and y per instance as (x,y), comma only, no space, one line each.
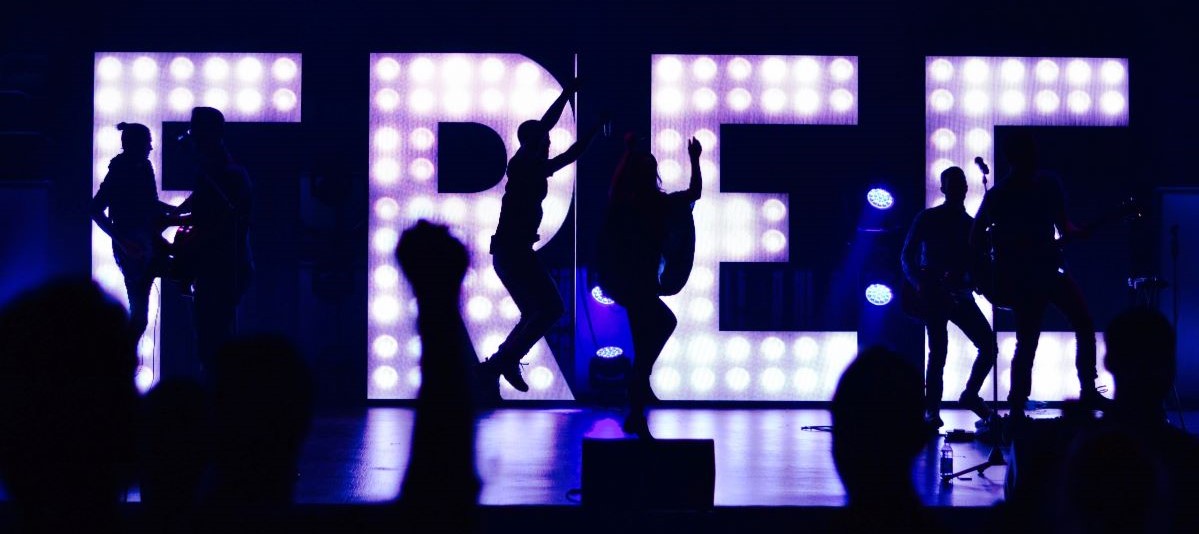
(878,294)
(609,352)
(600,297)
(880,198)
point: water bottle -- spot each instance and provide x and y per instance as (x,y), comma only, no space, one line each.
(946,459)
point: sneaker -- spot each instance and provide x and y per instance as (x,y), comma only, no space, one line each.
(511,371)
(975,404)
(1093,399)
(934,422)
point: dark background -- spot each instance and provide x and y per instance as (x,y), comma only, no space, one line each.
(310,241)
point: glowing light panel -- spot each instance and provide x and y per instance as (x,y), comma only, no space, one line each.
(151,88)
(1056,92)
(410,95)
(700,362)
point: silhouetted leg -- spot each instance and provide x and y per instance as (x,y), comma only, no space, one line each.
(535,294)
(651,323)
(215,314)
(1028,335)
(1069,299)
(137,287)
(938,348)
(973,324)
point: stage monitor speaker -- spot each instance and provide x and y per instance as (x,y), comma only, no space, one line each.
(674,474)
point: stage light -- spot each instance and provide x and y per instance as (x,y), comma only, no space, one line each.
(109,139)
(420,208)
(385,377)
(975,71)
(773,348)
(669,140)
(773,380)
(456,102)
(598,294)
(386,208)
(774,241)
(1047,101)
(479,308)
(414,378)
(840,69)
(939,167)
(108,101)
(421,70)
(492,70)
(944,139)
(739,68)
(216,69)
(1012,71)
(109,69)
(144,100)
(978,140)
(385,347)
(144,378)
(386,69)
(739,99)
(669,170)
(1012,102)
(703,69)
(701,310)
(421,138)
(702,379)
(385,240)
(1047,71)
(385,310)
(216,98)
(806,348)
(737,379)
(541,378)
(806,381)
(182,68)
(284,100)
(807,101)
(701,278)
(880,199)
(878,294)
(386,276)
(706,138)
(386,171)
(807,70)
(773,100)
(1112,102)
(249,69)
(703,99)
(1112,72)
(454,210)
(976,102)
(701,349)
(386,139)
(737,348)
(666,380)
(249,101)
(841,100)
(421,169)
(608,353)
(144,69)
(669,101)
(420,100)
(774,210)
(508,309)
(941,100)
(774,70)
(1079,102)
(456,71)
(1078,72)
(285,70)
(940,70)
(669,69)
(528,73)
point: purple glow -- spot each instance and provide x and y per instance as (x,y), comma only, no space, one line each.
(151,88)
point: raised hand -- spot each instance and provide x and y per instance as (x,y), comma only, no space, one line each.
(434,261)
(694,149)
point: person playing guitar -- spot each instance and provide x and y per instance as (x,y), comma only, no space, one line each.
(1021,216)
(127,208)
(937,261)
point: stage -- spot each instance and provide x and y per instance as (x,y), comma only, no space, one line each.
(532,457)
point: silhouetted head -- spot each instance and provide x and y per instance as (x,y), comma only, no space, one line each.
(953,185)
(67,404)
(533,136)
(639,178)
(1141,357)
(1114,483)
(135,138)
(878,423)
(207,126)
(262,395)
(1020,149)
(174,453)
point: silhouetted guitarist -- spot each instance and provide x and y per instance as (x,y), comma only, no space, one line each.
(1022,214)
(937,261)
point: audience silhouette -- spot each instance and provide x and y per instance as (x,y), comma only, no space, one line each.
(174,454)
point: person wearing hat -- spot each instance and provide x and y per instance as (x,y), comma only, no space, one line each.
(219,248)
(126,207)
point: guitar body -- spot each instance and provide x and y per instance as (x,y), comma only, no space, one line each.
(678,250)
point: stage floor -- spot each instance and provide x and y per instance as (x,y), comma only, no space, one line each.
(764,457)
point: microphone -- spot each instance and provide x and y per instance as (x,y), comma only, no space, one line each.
(982,165)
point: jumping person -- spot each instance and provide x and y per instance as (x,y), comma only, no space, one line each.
(633,243)
(127,208)
(517,266)
(937,262)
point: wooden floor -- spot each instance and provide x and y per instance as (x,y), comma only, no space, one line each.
(764,457)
